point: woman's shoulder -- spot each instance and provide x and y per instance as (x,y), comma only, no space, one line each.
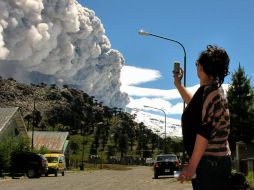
(212,91)
(211,87)
(214,87)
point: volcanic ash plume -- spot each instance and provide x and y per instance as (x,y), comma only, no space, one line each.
(59,41)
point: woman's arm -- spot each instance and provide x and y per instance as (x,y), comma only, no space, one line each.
(181,89)
(198,152)
(186,95)
(199,149)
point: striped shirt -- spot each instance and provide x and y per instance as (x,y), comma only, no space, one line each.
(215,124)
(207,115)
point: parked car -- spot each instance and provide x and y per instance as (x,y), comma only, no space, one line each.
(165,164)
(56,163)
(29,163)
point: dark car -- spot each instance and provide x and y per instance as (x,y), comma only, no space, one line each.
(165,164)
(29,163)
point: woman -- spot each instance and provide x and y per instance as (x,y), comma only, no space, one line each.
(205,123)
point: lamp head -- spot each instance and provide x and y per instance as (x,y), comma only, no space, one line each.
(143,33)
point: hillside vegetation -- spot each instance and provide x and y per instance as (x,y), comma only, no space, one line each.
(94,129)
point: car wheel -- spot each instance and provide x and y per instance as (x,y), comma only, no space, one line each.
(31,173)
(56,174)
(62,173)
(38,175)
(46,174)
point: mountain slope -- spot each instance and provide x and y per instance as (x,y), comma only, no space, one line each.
(157,124)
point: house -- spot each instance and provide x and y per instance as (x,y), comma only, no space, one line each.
(11,123)
(53,141)
(243,157)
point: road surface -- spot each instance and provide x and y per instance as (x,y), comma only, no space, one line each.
(137,178)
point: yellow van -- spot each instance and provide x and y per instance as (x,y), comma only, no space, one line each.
(56,163)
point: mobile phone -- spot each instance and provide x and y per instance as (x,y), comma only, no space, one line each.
(176,67)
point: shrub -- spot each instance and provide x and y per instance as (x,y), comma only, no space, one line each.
(10,145)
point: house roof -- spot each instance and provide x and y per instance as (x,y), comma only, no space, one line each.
(53,141)
(5,115)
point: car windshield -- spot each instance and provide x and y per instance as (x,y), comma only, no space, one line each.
(166,158)
(52,159)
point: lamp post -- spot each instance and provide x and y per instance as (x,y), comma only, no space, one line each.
(144,33)
(165,122)
(158,139)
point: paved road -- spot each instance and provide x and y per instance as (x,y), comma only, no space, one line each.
(138,178)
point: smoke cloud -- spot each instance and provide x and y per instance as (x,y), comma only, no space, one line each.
(62,42)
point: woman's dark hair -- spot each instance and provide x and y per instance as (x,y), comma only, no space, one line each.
(215,62)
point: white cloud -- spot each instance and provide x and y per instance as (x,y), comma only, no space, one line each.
(152,92)
(56,42)
(149,96)
(168,100)
(133,75)
(225,87)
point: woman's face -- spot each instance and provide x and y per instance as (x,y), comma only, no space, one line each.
(201,74)
(198,68)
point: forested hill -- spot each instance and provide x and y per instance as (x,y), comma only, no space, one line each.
(50,108)
(65,107)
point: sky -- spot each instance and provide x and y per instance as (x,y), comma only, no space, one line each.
(147,73)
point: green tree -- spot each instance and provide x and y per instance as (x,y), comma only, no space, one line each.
(142,139)
(22,144)
(6,148)
(29,119)
(10,145)
(176,145)
(128,127)
(36,118)
(75,143)
(123,143)
(42,150)
(240,99)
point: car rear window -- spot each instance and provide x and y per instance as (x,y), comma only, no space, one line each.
(167,158)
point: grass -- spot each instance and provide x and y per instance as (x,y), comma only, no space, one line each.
(250,179)
(115,167)
(93,167)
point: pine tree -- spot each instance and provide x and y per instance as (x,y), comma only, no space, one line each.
(240,99)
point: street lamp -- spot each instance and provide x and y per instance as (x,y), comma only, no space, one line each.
(165,122)
(144,33)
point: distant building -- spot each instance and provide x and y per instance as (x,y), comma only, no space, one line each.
(11,123)
(53,141)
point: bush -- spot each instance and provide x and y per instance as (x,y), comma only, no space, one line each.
(8,146)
